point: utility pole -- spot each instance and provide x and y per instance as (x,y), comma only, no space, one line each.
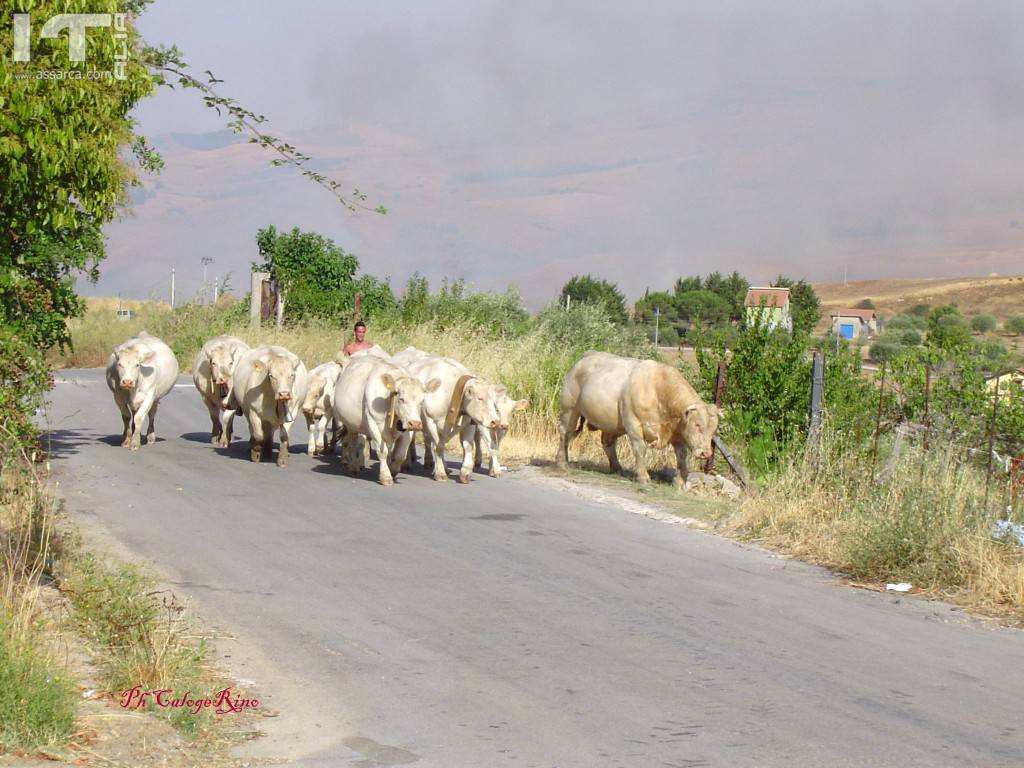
(657,315)
(172,287)
(216,290)
(206,260)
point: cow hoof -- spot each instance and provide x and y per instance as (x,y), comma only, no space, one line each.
(463,479)
(494,472)
(150,439)
(214,439)
(644,480)
(441,478)
(256,454)
(282,461)
(386,481)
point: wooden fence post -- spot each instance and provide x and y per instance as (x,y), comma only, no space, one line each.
(878,423)
(991,438)
(817,391)
(709,465)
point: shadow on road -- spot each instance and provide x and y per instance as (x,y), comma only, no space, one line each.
(61,443)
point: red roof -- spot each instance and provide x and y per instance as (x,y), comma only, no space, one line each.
(773,297)
(864,314)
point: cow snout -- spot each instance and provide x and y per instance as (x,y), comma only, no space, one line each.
(414,425)
(493,424)
(284,395)
(704,455)
(503,426)
(127,384)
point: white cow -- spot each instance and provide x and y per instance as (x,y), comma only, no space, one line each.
(316,407)
(139,373)
(409,355)
(213,373)
(448,412)
(506,407)
(373,351)
(383,402)
(269,384)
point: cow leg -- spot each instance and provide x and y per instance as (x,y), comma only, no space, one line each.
(282,449)
(566,432)
(608,442)
(151,432)
(256,442)
(216,429)
(311,425)
(434,447)
(383,454)
(640,453)
(400,450)
(321,434)
(227,424)
(126,420)
(478,449)
(138,420)
(682,472)
(351,452)
(466,436)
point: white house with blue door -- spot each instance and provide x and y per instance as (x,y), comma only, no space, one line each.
(854,324)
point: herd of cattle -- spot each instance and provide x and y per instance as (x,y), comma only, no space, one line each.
(385,399)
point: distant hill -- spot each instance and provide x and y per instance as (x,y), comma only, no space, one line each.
(1000,296)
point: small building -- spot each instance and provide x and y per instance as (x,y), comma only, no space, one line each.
(1009,384)
(772,303)
(124,314)
(853,324)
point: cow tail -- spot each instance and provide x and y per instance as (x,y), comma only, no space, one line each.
(579,426)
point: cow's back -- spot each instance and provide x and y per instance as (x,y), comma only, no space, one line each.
(594,388)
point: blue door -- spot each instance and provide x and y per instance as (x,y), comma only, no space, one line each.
(846,330)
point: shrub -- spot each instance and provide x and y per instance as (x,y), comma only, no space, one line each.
(37,702)
(1015,324)
(983,323)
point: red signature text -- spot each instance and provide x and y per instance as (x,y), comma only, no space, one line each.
(222,702)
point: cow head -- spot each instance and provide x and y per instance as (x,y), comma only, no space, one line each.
(506,405)
(222,359)
(313,395)
(279,371)
(408,394)
(478,403)
(130,360)
(697,428)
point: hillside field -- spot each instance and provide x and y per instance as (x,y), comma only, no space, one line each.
(1000,296)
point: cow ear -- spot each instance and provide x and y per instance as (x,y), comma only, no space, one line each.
(500,389)
(692,408)
(342,358)
(258,366)
(388,381)
(433,385)
(521,405)
(147,356)
(719,411)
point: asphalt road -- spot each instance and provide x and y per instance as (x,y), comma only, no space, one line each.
(510,623)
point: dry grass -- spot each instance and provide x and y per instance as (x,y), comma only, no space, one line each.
(927,525)
(1000,296)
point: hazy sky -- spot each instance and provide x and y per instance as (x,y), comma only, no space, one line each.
(520,142)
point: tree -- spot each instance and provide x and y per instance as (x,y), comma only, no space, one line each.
(947,329)
(865,304)
(735,292)
(317,277)
(1015,324)
(983,323)
(687,284)
(587,289)
(805,306)
(711,308)
(668,321)
(62,172)
(920,310)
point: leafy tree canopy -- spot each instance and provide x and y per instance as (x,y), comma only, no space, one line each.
(317,277)
(587,289)
(805,305)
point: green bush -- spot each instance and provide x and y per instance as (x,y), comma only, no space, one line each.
(983,323)
(1015,324)
(37,702)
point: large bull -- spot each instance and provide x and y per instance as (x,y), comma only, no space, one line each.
(213,373)
(381,401)
(139,373)
(649,402)
(269,387)
(459,405)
